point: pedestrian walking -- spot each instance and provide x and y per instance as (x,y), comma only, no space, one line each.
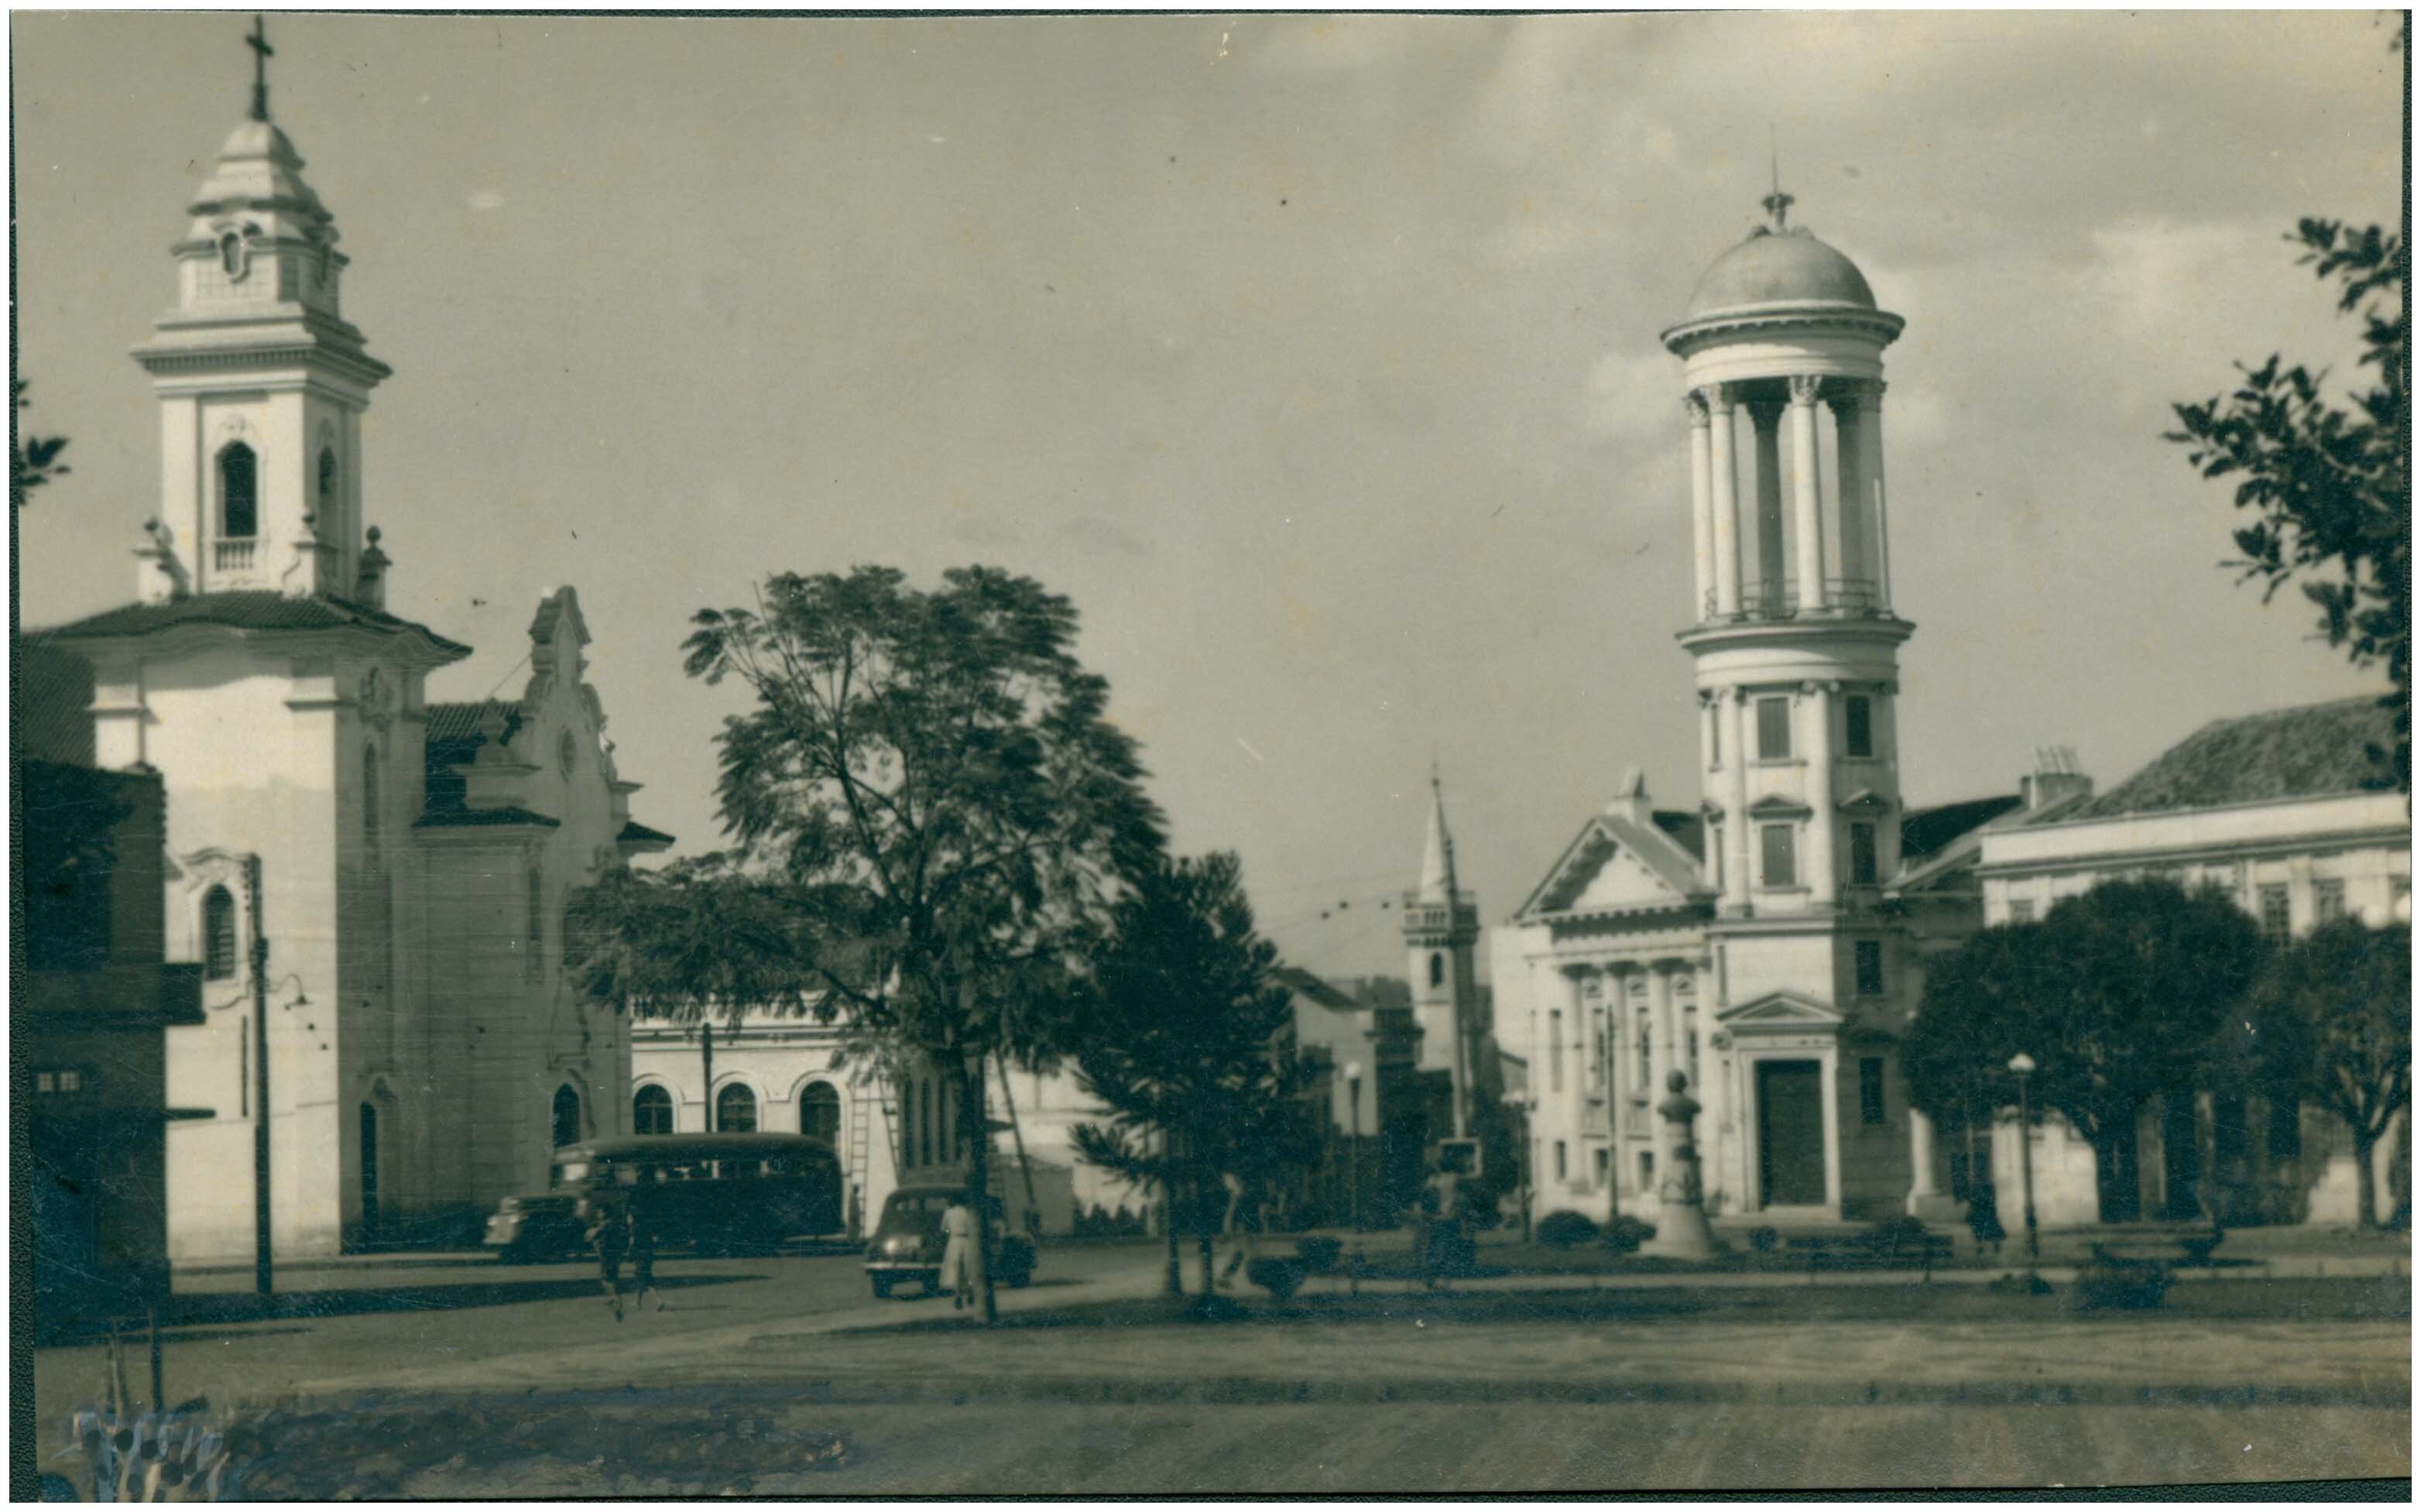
(960,1256)
(643,1257)
(1984,1217)
(1241,1220)
(609,1234)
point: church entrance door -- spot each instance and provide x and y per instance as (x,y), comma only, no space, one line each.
(1790,1133)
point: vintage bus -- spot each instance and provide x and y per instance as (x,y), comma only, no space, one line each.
(721,1193)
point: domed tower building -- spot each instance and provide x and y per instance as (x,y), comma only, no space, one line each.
(1766,943)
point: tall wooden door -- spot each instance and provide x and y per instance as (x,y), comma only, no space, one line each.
(1790,1133)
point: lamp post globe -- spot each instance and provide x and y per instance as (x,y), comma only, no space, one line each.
(2023,1064)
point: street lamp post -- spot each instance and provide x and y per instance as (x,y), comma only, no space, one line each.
(2023,1064)
(1353,1170)
(263,1266)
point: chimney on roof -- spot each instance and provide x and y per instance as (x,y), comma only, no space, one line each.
(2056,777)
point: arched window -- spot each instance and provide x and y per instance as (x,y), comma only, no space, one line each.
(239,498)
(652,1111)
(566,1116)
(218,934)
(1437,970)
(735,1110)
(370,799)
(327,483)
(819,1112)
(232,261)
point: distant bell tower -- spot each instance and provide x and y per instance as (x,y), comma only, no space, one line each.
(261,386)
(1441,927)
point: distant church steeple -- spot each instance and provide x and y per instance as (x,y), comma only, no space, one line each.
(1441,931)
(261,383)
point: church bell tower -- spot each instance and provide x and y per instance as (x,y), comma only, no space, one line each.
(1441,927)
(261,385)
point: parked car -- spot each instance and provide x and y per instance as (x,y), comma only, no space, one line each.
(907,1243)
(721,1193)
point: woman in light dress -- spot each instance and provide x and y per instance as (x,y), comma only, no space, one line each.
(961,1254)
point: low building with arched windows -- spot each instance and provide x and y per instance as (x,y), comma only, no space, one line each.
(773,1073)
(377,874)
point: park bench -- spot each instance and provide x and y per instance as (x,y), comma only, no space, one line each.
(2187,1249)
(1824,1252)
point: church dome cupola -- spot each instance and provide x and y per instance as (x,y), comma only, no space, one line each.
(1787,270)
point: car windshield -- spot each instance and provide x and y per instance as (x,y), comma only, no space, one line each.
(570,1171)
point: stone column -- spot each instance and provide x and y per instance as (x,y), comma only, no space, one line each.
(1823,885)
(1849,494)
(1806,504)
(1724,500)
(1765,417)
(1736,837)
(1702,508)
(1878,520)
(1667,1058)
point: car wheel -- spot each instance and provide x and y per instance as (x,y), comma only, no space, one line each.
(1017,1279)
(882,1288)
(516,1252)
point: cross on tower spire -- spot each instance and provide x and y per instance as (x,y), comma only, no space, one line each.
(261,54)
(1778,203)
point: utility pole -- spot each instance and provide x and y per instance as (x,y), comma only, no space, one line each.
(263,1278)
(705,1044)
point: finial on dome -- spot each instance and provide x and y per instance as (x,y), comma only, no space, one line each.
(1778,203)
(261,54)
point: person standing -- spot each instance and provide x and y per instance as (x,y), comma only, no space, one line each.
(643,1257)
(609,1234)
(959,1257)
(1984,1217)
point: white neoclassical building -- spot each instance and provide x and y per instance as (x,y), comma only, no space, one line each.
(1766,943)
(403,861)
(2285,813)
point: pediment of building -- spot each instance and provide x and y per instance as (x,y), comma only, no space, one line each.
(1785,1012)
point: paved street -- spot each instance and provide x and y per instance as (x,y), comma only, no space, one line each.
(783,1376)
(464,1318)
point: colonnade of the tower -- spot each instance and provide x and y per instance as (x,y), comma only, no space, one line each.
(1827,561)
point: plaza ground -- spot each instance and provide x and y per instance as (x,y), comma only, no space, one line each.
(783,1375)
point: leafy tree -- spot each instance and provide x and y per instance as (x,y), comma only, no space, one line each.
(934,816)
(33,461)
(2118,994)
(1191,1047)
(2330,1022)
(2331,487)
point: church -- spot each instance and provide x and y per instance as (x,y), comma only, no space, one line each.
(1766,941)
(378,875)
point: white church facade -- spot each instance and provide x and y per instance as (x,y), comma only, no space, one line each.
(403,861)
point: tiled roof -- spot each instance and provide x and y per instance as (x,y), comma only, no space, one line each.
(2304,752)
(460,721)
(251,609)
(1926,831)
(454,818)
(1687,828)
(1327,994)
(635,833)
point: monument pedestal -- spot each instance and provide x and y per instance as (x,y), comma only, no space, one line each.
(1682,1232)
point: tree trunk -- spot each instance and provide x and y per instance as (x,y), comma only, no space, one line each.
(2365,1149)
(1203,1240)
(1168,1221)
(971,1125)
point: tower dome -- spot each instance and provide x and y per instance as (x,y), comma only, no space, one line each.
(1776,269)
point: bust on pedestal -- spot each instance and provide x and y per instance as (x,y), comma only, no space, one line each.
(1682,1232)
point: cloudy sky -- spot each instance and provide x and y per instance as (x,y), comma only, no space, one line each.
(1316,359)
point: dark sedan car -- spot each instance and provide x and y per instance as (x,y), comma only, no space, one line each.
(908,1243)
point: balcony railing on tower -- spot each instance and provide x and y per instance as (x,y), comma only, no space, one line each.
(1842,597)
(234,555)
